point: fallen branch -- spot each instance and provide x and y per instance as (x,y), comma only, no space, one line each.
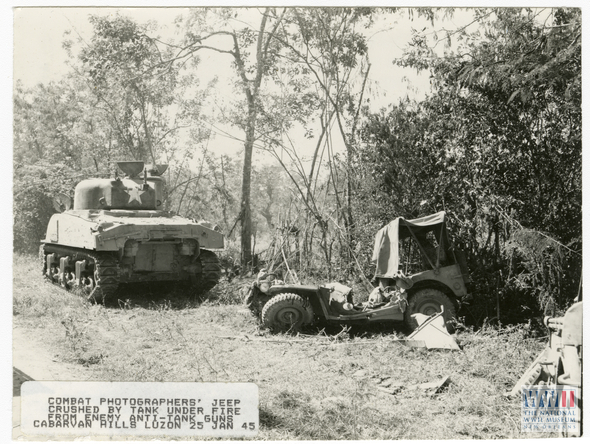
(312,339)
(428,387)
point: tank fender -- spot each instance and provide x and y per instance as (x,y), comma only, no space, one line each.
(68,229)
(114,237)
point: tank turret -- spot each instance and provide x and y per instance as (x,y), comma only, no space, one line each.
(118,232)
(135,192)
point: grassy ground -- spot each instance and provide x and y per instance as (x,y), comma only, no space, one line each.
(319,386)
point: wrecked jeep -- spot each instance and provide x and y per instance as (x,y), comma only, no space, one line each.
(417,271)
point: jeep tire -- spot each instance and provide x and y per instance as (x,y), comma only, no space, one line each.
(287,312)
(428,302)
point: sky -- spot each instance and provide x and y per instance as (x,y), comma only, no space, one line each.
(40,58)
(38,55)
(39,33)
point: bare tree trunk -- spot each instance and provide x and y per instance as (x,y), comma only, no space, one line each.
(224,199)
(251,88)
(246,228)
(146,130)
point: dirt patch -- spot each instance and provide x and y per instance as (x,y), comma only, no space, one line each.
(32,361)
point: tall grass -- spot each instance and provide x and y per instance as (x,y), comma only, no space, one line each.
(34,299)
(316,387)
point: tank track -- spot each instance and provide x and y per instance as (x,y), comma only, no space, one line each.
(209,276)
(102,282)
(106,274)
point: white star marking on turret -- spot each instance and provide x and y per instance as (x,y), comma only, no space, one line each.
(135,194)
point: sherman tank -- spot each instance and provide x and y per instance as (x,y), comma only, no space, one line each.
(118,232)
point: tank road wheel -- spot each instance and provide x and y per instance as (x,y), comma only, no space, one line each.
(286,312)
(210,273)
(53,273)
(98,282)
(428,301)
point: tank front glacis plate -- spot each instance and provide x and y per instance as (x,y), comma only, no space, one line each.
(109,230)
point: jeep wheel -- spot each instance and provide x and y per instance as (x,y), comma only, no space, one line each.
(428,301)
(286,312)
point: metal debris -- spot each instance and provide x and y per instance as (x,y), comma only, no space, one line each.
(431,333)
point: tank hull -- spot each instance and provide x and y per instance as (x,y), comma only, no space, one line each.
(135,245)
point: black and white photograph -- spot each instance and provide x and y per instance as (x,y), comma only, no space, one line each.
(295,223)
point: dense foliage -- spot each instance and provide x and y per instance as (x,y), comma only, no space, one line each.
(498,146)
